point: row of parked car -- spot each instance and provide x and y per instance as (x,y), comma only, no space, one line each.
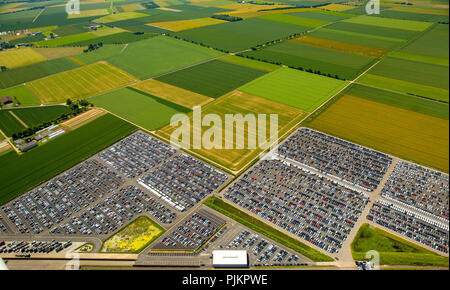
(312,207)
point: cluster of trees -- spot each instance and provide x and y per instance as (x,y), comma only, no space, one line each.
(299,6)
(92,47)
(3,68)
(150,5)
(227,17)
(403,3)
(76,109)
(272,42)
(6,45)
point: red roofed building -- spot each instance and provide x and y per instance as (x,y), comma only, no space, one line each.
(7,100)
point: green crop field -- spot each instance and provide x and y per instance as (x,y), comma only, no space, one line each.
(212,79)
(412,103)
(8,124)
(37,115)
(241,35)
(140,108)
(434,43)
(294,19)
(377,31)
(343,64)
(295,88)
(80,83)
(66,40)
(390,23)
(242,103)
(28,73)
(58,155)
(410,135)
(327,16)
(420,58)
(167,54)
(265,229)
(265,66)
(23,95)
(103,53)
(393,250)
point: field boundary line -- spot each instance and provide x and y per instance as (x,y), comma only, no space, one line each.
(37,16)
(18,119)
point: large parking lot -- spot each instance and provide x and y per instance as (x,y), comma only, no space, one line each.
(191,233)
(312,207)
(102,194)
(349,162)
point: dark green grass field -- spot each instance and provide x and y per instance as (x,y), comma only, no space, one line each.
(8,124)
(28,73)
(38,115)
(393,250)
(344,65)
(213,79)
(412,103)
(241,35)
(21,173)
(263,228)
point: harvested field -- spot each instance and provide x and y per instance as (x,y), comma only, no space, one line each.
(180,25)
(295,88)
(83,118)
(16,57)
(80,83)
(172,94)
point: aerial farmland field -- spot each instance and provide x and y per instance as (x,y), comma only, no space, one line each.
(404,133)
(182,97)
(138,107)
(28,73)
(212,79)
(20,57)
(23,95)
(37,115)
(79,83)
(270,135)
(168,54)
(344,65)
(241,35)
(409,76)
(283,85)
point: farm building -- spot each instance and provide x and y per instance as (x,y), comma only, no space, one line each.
(7,100)
(230,259)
